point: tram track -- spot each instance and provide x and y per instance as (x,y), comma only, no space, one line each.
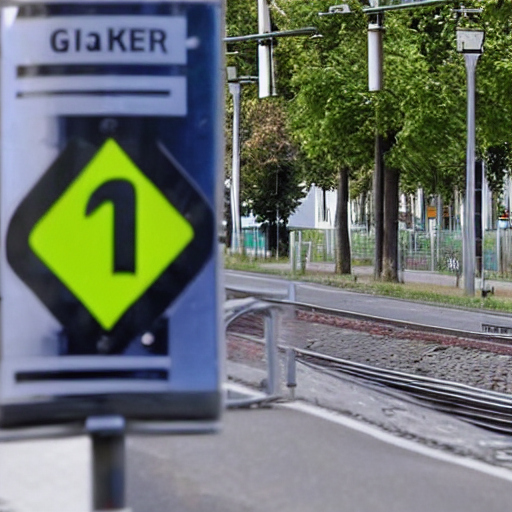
(485,408)
(482,337)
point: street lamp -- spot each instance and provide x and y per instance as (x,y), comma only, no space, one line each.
(470,42)
(376,84)
(235,86)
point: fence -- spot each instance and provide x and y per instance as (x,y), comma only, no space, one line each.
(418,250)
(254,243)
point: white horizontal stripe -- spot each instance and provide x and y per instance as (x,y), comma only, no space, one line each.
(97,39)
(87,387)
(82,104)
(86,363)
(88,82)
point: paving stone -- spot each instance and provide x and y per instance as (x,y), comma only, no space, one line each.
(45,476)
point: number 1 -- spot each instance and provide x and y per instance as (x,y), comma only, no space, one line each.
(121,193)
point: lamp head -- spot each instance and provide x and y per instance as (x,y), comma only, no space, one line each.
(470,40)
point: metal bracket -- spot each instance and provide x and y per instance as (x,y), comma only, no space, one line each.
(336,9)
(106,425)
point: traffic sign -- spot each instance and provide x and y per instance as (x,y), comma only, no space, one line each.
(110,167)
(110,235)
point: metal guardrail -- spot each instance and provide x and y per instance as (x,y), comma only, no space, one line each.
(236,308)
(288,298)
(486,409)
(496,329)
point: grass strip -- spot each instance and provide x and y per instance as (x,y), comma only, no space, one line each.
(419,292)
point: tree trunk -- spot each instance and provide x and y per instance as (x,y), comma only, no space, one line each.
(378,201)
(271,231)
(391,201)
(343,255)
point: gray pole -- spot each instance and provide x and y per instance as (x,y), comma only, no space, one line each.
(375,83)
(469,245)
(108,462)
(271,327)
(265,64)
(234,89)
(378,201)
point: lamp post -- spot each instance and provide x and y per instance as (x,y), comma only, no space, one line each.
(470,43)
(375,84)
(235,88)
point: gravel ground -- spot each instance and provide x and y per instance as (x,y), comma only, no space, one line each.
(443,357)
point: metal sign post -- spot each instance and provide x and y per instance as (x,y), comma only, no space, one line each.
(110,178)
(108,461)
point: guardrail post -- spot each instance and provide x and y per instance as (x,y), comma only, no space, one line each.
(291,292)
(291,372)
(271,321)
(292,252)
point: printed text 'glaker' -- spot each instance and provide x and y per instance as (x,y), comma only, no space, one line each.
(149,40)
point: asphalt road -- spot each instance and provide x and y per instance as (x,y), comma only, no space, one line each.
(264,460)
(276,459)
(281,460)
(329,297)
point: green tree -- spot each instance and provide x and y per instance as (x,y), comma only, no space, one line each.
(494,72)
(431,145)
(271,185)
(330,110)
(420,114)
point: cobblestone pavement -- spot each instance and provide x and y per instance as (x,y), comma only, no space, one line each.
(443,357)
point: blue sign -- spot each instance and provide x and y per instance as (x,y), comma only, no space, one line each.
(109,174)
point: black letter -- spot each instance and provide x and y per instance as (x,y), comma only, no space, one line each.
(121,193)
(62,43)
(95,44)
(157,36)
(137,36)
(78,39)
(115,38)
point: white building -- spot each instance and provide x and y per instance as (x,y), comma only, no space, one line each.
(316,211)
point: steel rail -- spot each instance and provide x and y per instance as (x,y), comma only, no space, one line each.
(487,409)
(491,410)
(282,299)
(495,421)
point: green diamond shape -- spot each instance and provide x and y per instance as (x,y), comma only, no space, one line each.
(79,248)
